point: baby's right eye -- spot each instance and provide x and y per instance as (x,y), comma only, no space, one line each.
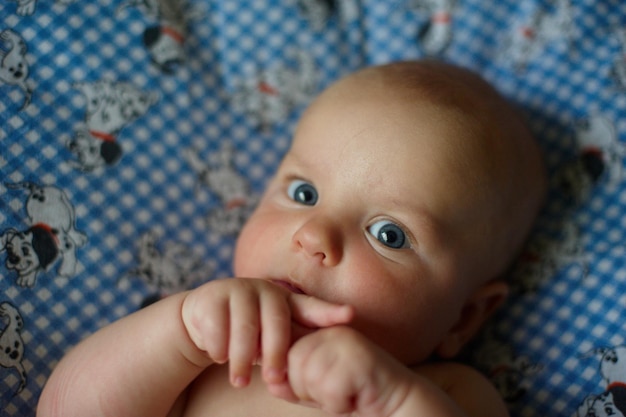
(302,192)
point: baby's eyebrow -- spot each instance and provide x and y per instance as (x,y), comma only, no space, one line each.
(296,166)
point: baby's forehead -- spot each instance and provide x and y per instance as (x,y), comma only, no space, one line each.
(429,83)
(411,124)
(427,155)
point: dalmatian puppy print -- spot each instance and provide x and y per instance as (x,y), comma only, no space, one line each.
(51,235)
(110,106)
(612,370)
(11,343)
(14,68)
(165,39)
(546,25)
(167,268)
(28,7)
(269,96)
(599,159)
(618,71)
(508,370)
(544,257)
(236,201)
(435,36)
(317,12)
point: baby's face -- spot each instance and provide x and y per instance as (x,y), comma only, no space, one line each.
(374,206)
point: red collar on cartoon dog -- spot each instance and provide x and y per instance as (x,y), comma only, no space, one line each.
(592,150)
(107,137)
(616,384)
(441,17)
(173,33)
(265,88)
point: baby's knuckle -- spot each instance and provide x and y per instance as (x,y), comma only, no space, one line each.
(248,328)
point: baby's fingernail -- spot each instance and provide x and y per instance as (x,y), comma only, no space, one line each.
(274,375)
(240,382)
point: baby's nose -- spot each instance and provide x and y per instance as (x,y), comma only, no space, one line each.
(320,239)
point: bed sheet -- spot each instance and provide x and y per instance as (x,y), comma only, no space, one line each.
(137,135)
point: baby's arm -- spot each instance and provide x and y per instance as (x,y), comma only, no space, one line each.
(138,365)
(141,364)
(343,373)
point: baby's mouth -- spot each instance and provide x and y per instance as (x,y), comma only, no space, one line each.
(288,285)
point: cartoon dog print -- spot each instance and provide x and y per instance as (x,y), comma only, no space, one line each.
(543,258)
(110,107)
(528,40)
(173,269)
(597,134)
(27,7)
(436,34)
(271,95)
(11,343)
(14,68)
(611,402)
(618,71)
(51,235)
(600,155)
(317,12)
(612,363)
(507,370)
(93,151)
(230,187)
(165,40)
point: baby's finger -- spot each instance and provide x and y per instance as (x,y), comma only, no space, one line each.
(284,392)
(313,312)
(244,336)
(208,325)
(275,337)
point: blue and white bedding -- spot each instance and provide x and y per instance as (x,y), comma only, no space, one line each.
(137,135)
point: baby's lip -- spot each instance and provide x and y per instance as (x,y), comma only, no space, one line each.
(288,285)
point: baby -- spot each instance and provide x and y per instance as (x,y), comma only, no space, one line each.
(377,252)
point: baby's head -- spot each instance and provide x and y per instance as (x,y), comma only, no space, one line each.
(408,191)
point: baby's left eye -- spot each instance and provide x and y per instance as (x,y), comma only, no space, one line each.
(389,234)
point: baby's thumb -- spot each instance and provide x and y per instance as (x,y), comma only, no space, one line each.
(315,313)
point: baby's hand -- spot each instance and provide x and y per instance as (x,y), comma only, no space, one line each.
(343,373)
(249,321)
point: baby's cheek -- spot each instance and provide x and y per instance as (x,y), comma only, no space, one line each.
(257,244)
(249,237)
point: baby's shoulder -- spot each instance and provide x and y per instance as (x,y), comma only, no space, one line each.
(468,387)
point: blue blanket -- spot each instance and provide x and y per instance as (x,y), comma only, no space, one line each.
(137,135)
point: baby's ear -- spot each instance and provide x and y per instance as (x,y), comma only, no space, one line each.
(476,311)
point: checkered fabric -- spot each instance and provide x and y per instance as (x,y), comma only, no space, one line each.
(137,135)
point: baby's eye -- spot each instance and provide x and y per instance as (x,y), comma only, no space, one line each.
(302,192)
(389,234)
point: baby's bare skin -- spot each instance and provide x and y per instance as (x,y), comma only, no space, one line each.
(379,245)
